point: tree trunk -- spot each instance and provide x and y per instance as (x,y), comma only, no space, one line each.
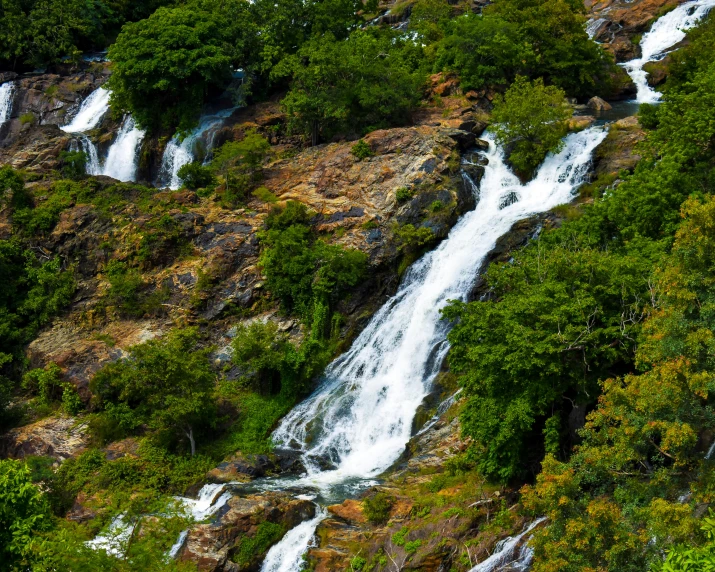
(190,434)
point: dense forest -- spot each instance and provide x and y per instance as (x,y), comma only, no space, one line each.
(603,317)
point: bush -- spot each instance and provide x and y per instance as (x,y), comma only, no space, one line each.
(263,194)
(404,194)
(73,164)
(196,176)
(361,150)
(531,120)
(377,508)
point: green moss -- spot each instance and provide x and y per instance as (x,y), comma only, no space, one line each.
(252,548)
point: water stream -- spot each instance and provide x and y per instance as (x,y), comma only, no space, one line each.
(7,91)
(665,33)
(359,420)
(122,158)
(180,152)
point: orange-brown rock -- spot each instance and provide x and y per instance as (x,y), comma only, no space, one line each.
(56,437)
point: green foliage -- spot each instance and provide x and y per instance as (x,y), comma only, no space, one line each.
(126,290)
(404,194)
(239,163)
(166,384)
(48,386)
(24,514)
(263,194)
(251,548)
(377,508)
(195,176)
(73,164)
(307,275)
(362,83)
(648,116)
(531,121)
(166,65)
(533,38)
(685,558)
(361,150)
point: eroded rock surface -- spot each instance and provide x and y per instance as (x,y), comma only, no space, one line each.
(56,437)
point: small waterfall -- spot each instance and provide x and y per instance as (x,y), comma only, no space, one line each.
(287,555)
(123,157)
(663,35)
(506,553)
(180,152)
(7,90)
(90,113)
(360,418)
(84,144)
(592,27)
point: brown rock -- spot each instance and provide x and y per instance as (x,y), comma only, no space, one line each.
(598,104)
(210,546)
(56,437)
(242,467)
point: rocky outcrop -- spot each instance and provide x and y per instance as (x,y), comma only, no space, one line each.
(229,544)
(56,437)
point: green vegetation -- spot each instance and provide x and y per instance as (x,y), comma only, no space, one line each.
(267,534)
(166,385)
(238,166)
(377,508)
(531,121)
(74,164)
(307,275)
(196,176)
(361,150)
(609,314)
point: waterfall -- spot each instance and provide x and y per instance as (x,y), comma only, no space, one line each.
(84,144)
(592,27)
(663,35)
(287,555)
(90,113)
(123,157)
(360,417)
(6,92)
(179,151)
(505,553)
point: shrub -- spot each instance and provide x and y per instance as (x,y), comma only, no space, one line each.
(196,176)
(361,150)
(404,194)
(377,508)
(263,194)
(27,118)
(73,164)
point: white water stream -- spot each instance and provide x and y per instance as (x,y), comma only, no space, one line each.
(180,152)
(360,419)
(510,551)
(7,90)
(665,33)
(122,158)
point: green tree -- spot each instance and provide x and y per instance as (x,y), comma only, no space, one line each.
(358,84)
(165,66)
(531,121)
(166,384)
(24,513)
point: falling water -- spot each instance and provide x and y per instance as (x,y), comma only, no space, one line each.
(593,26)
(90,112)
(180,152)
(663,35)
(287,555)
(510,551)
(359,420)
(123,157)
(6,92)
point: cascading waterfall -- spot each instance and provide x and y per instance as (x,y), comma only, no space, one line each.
(512,551)
(90,113)
(360,418)
(6,92)
(665,33)
(123,157)
(180,152)
(287,555)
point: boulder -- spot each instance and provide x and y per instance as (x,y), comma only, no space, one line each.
(56,437)
(214,547)
(242,467)
(598,104)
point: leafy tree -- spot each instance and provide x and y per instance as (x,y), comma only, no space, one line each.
(683,558)
(166,384)
(530,120)
(239,163)
(166,65)
(483,51)
(358,84)
(24,513)
(561,51)
(195,175)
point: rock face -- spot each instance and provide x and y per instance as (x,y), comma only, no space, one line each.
(228,544)
(616,22)
(56,437)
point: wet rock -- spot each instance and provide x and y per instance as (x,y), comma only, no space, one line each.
(242,467)
(578,123)
(214,547)
(56,437)
(598,104)
(465,139)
